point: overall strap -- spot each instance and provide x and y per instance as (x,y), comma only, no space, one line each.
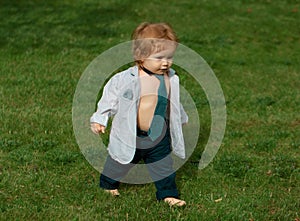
(159,125)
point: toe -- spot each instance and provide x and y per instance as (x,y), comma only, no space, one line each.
(174,202)
(114,192)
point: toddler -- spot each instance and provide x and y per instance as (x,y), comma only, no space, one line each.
(148,116)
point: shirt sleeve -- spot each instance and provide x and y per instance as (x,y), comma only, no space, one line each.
(184,116)
(108,104)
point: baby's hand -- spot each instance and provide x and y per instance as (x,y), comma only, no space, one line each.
(97,128)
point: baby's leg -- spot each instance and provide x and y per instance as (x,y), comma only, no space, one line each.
(166,186)
(112,173)
(160,165)
(164,178)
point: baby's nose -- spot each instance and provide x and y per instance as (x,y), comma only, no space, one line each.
(165,61)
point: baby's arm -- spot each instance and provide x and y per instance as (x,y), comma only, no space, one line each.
(107,106)
(97,128)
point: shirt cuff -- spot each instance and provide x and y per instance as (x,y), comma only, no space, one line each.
(100,119)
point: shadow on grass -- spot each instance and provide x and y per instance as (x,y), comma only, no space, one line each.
(52,24)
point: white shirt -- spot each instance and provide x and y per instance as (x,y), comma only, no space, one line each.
(120,99)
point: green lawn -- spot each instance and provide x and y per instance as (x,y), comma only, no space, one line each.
(253,48)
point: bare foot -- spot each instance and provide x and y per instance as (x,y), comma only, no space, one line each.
(114,192)
(174,202)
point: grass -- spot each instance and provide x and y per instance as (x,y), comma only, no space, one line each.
(253,48)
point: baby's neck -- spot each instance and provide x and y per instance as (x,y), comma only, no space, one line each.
(147,71)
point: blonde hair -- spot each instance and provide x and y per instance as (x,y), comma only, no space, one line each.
(149,38)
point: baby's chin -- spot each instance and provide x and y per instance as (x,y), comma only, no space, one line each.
(165,70)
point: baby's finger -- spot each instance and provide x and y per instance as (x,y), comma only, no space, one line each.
(95,130)
(102,130)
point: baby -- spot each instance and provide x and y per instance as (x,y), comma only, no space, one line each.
(148,115)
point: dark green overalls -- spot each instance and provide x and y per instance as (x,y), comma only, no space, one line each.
(154,148)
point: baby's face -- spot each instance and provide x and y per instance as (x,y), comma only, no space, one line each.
(159,62)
